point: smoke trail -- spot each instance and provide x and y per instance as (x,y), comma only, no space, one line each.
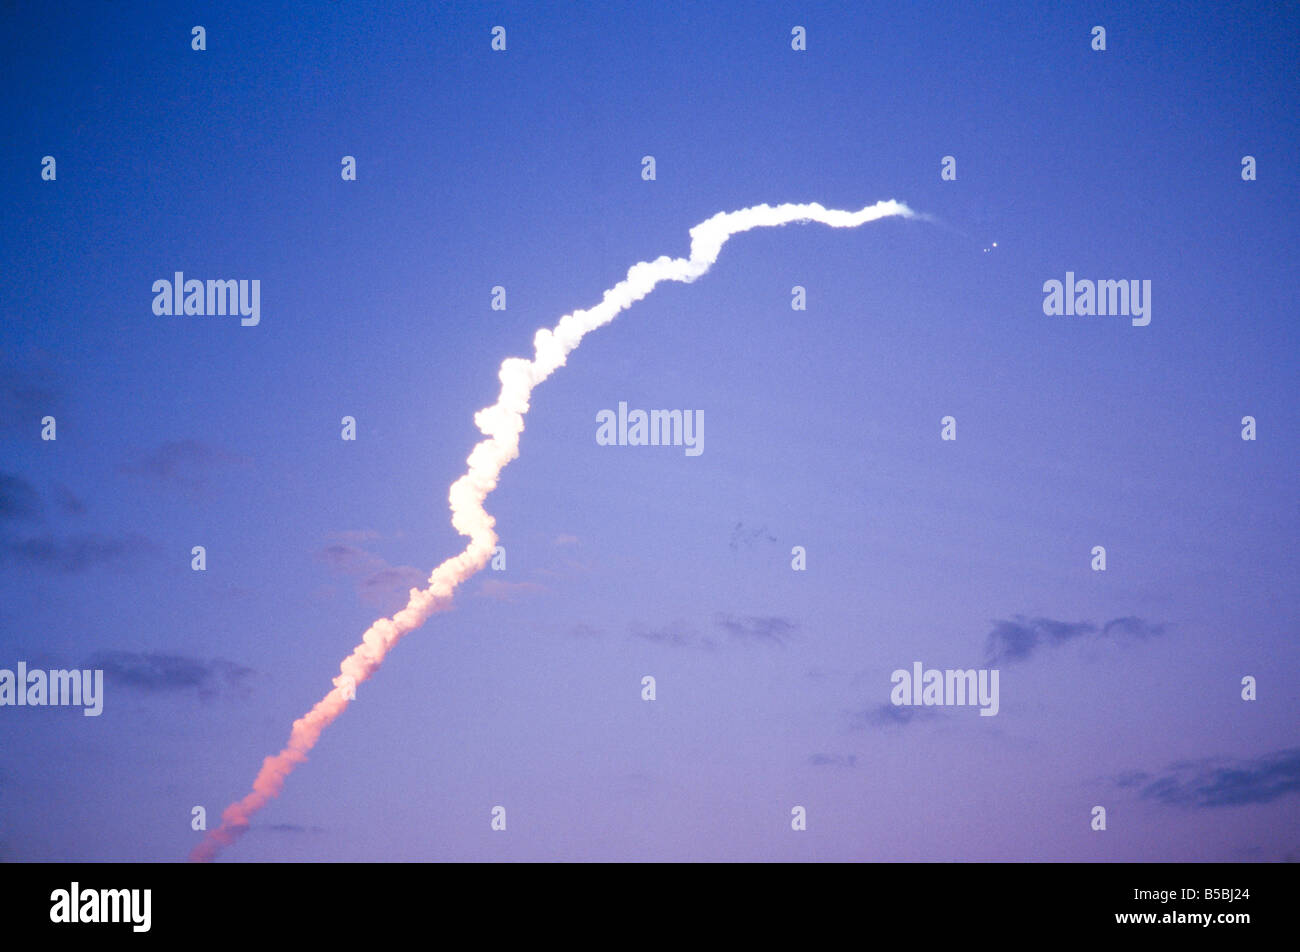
(502,423)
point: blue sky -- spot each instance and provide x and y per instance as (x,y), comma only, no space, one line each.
(522,169)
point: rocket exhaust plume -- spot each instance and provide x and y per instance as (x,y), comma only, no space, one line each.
(502,423)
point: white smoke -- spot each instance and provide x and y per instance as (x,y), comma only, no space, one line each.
(502,423)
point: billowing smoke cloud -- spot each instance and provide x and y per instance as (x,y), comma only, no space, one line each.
(502,423)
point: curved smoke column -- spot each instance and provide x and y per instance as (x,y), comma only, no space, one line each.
(502,423)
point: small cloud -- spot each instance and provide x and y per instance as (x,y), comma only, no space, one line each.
(187,465)
(585,631)
(1221,782)
(293,828)
(376,581)
(566,540)
(346,558)
(676,635)
(893,715)
(757,628)
(152,673)
(74,553)
(502,591)
(1132,778)
(21,503)
(1019,638)
(18,499)
(391,582)
(833,760)
(1132,627)
(762,628)
(748,536)
(67,501)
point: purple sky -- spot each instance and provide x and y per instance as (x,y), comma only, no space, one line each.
(522,169)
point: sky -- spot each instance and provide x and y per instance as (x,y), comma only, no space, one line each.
(523,169)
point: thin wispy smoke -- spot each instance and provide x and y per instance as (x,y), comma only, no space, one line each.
(502,423)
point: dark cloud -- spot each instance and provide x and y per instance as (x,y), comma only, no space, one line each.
(67,501)
(1019,638)
(1132,627)
(1221,782)
(293,828)
(38,547)
(757,628)
(833,760)
(893,715)
(1134,778)
(749,536)
(393,578)
(344,558)
(762,628)
(74,553)
(183,464)
(158,673)
(377,581)
(678,635)
(18,499)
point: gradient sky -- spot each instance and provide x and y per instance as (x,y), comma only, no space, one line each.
(522,169)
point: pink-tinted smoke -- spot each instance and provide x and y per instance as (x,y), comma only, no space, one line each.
(502,423)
